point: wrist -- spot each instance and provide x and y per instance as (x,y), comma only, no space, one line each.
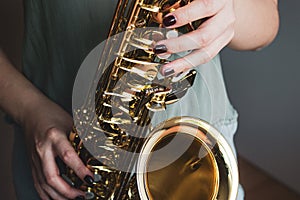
(42,114)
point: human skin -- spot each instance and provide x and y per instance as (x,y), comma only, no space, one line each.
(238,24)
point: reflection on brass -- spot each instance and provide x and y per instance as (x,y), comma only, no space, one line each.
(186,158)
(193,176)
(183,158)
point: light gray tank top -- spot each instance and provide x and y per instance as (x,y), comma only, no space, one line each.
(59,34)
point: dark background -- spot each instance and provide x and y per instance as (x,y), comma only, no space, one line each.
(263,87)
(11,27)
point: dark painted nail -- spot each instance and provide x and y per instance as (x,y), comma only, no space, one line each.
(169,72)
(79,198)
(89,179)
(169,20)
(161,48)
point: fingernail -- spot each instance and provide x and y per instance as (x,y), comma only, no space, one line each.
(169,20)
(161,48)
(169,72)
(89,179)
(79,198)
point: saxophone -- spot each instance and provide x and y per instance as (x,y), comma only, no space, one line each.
(182,157)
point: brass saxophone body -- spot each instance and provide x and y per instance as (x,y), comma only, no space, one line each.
(183,157)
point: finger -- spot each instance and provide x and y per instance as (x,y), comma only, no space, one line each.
(51,192)
(198,57)
(200,38)
(197,9)
(67,153)
(45,187)
(42,182)
(51,173)
(37,185)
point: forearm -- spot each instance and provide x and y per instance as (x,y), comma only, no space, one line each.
(17,95)
(256,24)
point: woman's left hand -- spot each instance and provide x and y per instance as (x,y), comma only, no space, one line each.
(206,41)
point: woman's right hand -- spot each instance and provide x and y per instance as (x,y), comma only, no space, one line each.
(46,126)
(46,129)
